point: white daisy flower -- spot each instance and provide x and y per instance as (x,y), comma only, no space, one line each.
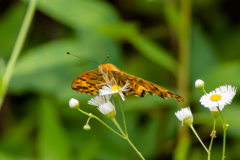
(73,103)
(218,98)
(108,90)
(104,105)
(185,115)
(229,89)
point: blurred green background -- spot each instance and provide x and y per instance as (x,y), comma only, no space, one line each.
(142,38)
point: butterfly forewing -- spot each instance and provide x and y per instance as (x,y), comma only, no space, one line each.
(88,82)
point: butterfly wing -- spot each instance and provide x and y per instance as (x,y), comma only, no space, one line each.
(140,87)
(88,82)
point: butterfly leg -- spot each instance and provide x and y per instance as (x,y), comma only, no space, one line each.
(109,82)
(100,85)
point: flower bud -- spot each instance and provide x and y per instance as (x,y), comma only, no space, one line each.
(73,103)
(199,84)
(86,127)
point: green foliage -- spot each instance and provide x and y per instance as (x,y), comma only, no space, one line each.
(141,38)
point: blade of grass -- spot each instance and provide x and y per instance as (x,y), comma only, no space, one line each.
(16,50)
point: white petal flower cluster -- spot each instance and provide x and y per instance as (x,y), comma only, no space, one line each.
(185,115)
(109,90)
(104,105)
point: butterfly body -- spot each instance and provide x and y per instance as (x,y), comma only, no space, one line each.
(90,82)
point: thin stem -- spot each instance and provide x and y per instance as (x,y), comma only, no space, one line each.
(139,153)
(118,126)
(224,142)
(204,91)
(124,122)
(17,49)
(223,124)
(213,135)
(91,115)
(124,136)
(120,129)
(127,138)
(88,120)
(224,133)
(191,126)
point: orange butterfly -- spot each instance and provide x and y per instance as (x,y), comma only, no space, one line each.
(90,82)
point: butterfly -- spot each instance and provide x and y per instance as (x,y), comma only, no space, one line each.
(90,82)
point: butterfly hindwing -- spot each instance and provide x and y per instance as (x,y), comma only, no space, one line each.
(140,87)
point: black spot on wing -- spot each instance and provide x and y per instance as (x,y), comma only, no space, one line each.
(143,93)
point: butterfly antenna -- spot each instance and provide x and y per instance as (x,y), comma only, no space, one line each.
(106,59)
(83,58)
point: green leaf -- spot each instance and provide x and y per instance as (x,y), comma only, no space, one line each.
(12,140)
(89,150)
(203,56)
(225,73)
(144,45)
(172,15)
(154,52)
(79,14)
(52,141)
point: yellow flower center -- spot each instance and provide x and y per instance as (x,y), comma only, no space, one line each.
(216,97)
(114,88)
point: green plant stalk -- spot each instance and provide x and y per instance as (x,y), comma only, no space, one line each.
(127,138)
(224,133)
(224,122)
(204,91)
(183,145)
(92,116)
(221,117)
(124,136)
(191,126)
(210,146)
(120,129)
(124,122)
(184,47)
(17,49)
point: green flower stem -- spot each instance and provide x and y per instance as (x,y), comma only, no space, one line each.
(17,48)
(224,133)
(126,137)
(223,124)
(118,126)
(124,122)
(224,142)
(139,153)
(213,134)
(204,91)
(92,116)
(88,120)
(191,126)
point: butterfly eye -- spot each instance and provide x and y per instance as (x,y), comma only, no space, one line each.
(105,69)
